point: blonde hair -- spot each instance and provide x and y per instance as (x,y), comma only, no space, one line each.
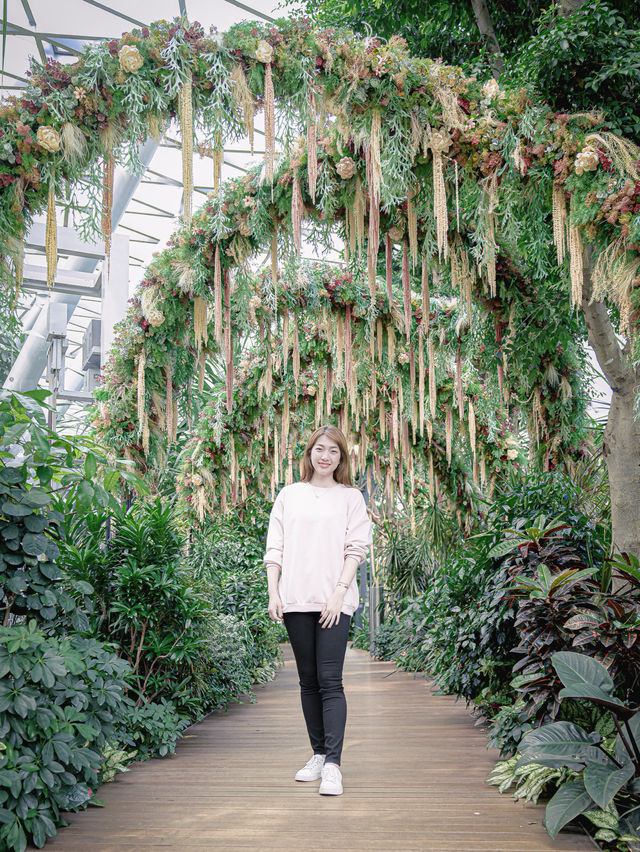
(342,473)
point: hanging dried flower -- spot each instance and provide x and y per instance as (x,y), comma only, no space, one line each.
(48,138)
(586,160)
(346,168)
(264,52)
(130,59)
(491,89)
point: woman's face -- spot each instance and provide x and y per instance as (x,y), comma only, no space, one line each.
(325,455)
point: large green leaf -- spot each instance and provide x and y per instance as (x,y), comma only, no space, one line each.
(574,669)
(503,547)
(567,803)
(599,696)
(560,739)
(602,781)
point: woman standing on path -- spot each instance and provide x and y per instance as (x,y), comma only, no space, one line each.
(319,532)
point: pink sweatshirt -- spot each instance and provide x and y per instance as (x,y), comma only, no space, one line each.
(309,537)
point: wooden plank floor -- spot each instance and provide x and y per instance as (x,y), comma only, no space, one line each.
(414,770)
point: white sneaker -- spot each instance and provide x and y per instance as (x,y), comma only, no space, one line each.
(312,769)
(331,780)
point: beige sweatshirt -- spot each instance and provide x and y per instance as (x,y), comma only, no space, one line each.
(311,532)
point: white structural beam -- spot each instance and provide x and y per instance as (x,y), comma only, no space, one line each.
(115,292)
(29,366)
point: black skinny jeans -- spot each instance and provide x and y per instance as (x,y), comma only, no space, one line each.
(319,653)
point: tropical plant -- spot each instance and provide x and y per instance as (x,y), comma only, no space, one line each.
(606,768)
(42,472)
(143,603)
(62,701)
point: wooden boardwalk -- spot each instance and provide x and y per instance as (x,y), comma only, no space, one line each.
(414,770)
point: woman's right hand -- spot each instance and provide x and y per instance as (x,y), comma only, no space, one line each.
(275,607)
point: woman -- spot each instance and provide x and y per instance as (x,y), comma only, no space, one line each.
(319,532)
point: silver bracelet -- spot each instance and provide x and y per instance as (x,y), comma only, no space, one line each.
(340,583)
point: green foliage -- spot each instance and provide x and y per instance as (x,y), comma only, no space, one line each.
(37,468)
(61,700)
(144,603)
(588,60)
(605,767)
(153,729)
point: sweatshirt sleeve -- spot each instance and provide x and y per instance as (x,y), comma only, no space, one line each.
(359,533)
(275,533)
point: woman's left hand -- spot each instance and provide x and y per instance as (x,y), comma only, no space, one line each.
(330,615)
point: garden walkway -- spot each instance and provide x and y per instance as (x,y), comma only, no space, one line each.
(414,771)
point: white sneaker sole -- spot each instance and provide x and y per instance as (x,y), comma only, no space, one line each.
(313,778)
(333,792)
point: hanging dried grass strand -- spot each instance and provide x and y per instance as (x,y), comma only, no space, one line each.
(559,210)
(185,115)
(459,388)
(295,359)
(374,147)
(421,382)
(471,416)
(372,245)
(244,97)
(448,433)
(575,265)
(406,289)
(269,125)
(348,365)
(358,211)
(200,331)
(432,379)
(312,146)
(140,391)
(228,347)
(440,204)
(388,268)
(297,209)
(108,170)
(168,399)
(274,268)
(285,342)
(51,235)
(201,361)
(217,297)
(412,228)
(426,301)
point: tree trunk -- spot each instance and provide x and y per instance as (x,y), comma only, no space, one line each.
(622,432)
(622,454)
(485,25)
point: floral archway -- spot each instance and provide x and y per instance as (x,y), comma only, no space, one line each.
(483,194)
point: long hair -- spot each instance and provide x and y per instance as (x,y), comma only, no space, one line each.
(342,473)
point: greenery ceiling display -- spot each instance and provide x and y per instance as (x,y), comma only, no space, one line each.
(459,188)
